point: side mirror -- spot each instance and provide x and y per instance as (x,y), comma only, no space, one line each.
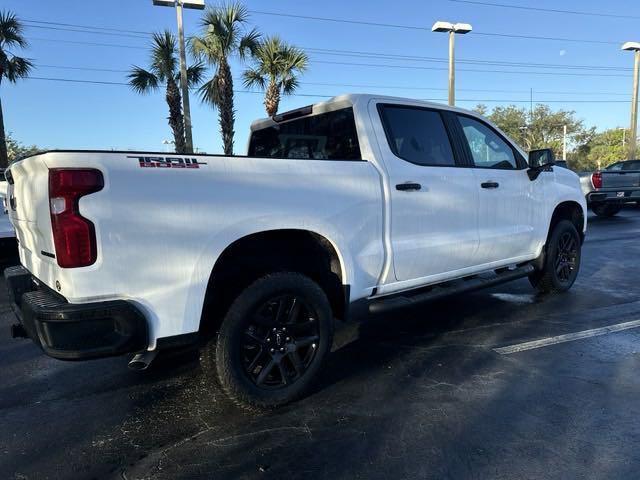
(541,158)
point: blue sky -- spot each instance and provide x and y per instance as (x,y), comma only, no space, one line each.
(56,114)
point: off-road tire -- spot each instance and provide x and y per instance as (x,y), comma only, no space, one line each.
(225,355)
(548,279)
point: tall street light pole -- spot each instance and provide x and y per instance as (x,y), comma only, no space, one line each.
(452,29)
(184,83)
(635,48)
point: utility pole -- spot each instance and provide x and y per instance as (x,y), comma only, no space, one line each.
(635,48)
(184,82)
(564,143)
(452,68)
(452,29)
(634,107)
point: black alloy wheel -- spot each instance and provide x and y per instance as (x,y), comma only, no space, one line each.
(280,342)
(566,256)
(562,256)
(273,340)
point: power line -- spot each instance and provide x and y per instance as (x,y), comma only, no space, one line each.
(340,20)
(553,39)
(95,44)
(359,85)
(416,67)
(400,87)
(547,10)
(98,82)
(109,29)
(75,30)
(379,55)
(89,69)
(355,53)
(415,27)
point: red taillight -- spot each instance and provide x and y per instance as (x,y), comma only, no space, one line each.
(596,179)
(73,235)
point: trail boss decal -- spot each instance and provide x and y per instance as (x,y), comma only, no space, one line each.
(167,162)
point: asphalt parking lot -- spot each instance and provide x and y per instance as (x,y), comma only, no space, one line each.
(420,394)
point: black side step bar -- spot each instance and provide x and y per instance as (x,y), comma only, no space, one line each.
(407,299)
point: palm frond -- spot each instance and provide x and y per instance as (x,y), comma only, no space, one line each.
(210,93)
(142,81)
(16,68)
(163,55)
(11,31)
(289,85)
(249,43)
(208,48)
(195,73)
(254,78)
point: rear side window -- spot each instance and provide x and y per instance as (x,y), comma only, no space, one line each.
(634,165)
(327,136)
(488,149)
(417,135)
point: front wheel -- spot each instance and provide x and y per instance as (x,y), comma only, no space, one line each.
(562,260)
(606,210)
(273,341)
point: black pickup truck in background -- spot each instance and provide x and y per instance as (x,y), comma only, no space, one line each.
(608,190)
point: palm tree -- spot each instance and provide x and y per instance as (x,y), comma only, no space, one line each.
(224,37)
(12,67)
(278,65)
(165,69)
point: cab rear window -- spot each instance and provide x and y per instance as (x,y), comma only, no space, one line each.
(326,136)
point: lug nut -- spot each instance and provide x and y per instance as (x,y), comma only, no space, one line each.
(269,339)
(272,350)
(288,339)
(281,349)
(313,345)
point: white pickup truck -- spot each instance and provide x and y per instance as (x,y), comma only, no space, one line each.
(355,205)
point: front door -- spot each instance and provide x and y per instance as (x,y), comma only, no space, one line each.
(510,204)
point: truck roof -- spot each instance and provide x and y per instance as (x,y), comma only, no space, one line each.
(349,99)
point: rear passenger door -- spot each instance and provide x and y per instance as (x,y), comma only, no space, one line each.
(433,198)
(511,206)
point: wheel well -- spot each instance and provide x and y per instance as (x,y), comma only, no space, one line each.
(571,211)
(256,255)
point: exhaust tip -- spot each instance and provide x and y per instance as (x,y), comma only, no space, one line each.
(141,361)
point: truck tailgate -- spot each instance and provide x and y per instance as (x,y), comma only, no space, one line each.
(615,180)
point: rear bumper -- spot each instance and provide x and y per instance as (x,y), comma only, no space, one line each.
(624,195)
(74,331)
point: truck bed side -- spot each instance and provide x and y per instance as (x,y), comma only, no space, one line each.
(160,230)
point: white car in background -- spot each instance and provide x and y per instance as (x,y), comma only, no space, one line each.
(7,233)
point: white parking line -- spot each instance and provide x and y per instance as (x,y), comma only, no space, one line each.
(569,337)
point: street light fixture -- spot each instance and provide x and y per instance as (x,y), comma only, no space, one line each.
(452,29)
(184,84)
(634,47)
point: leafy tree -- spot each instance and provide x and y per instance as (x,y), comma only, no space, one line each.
(601,149)
(17,150)
(165,69)
(224,36)
(541,128)
(12,67)
(276,70)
